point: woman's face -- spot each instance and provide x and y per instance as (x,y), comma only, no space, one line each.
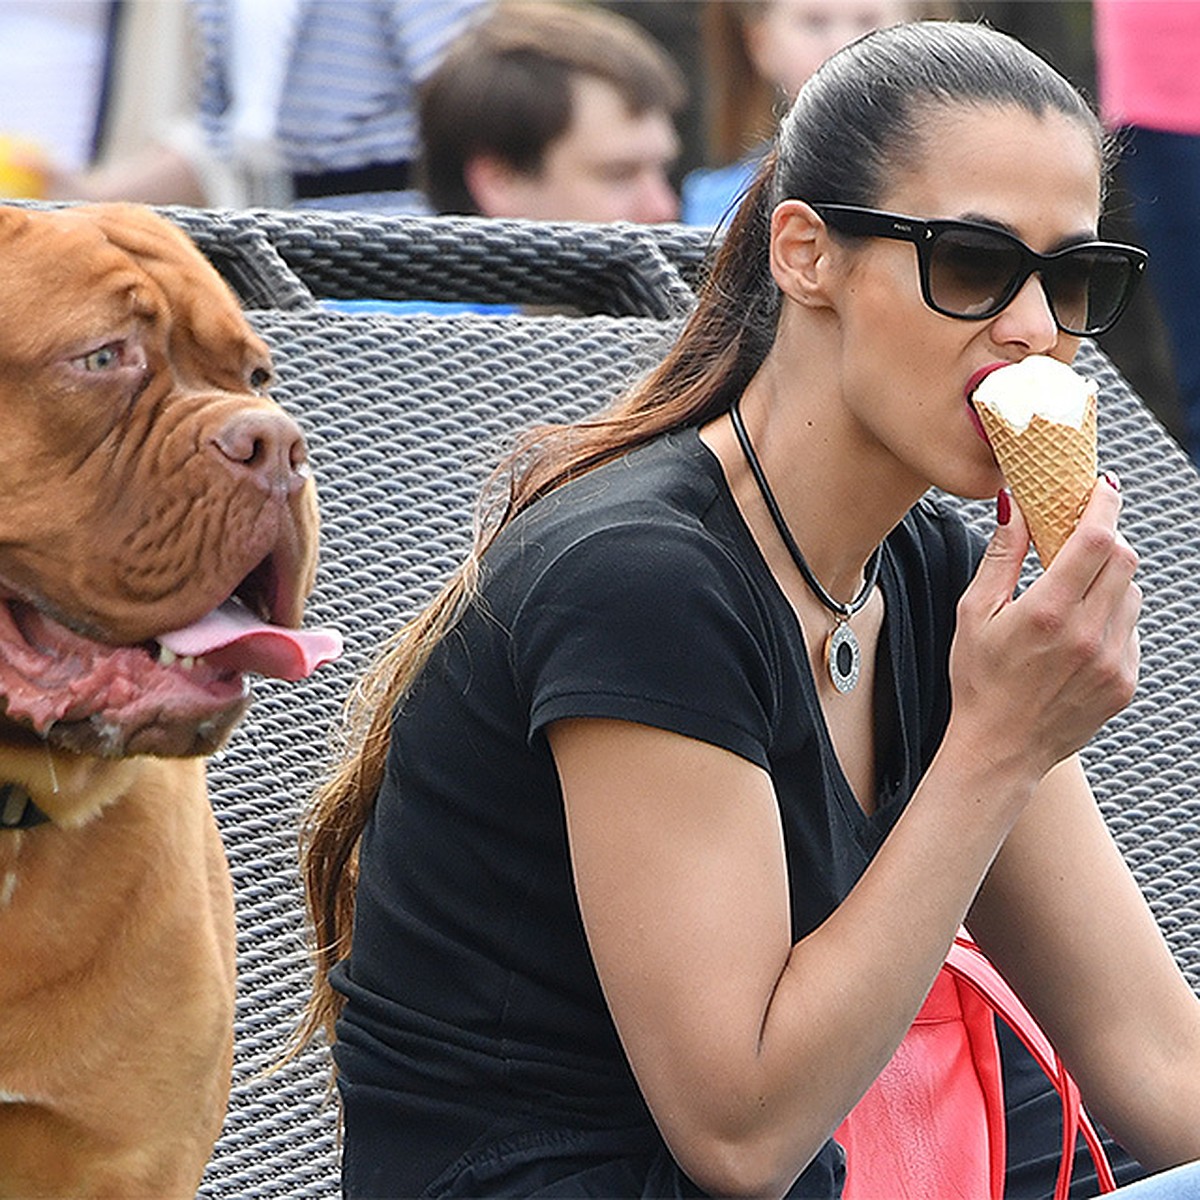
(905,368)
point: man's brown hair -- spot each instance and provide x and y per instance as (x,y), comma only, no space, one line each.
(504,88)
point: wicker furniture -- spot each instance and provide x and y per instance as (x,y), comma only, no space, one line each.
(404,415)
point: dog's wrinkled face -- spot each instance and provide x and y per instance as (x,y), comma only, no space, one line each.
(145,479)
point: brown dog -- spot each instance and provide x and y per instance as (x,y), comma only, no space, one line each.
(145,480)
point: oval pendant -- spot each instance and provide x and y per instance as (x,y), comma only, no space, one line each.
(843,656)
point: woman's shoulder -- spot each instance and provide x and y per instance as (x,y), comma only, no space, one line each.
(669,484)
(648,526)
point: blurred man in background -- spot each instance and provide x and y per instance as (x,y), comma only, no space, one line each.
(552,112)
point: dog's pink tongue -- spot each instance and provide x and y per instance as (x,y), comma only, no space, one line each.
(232,637)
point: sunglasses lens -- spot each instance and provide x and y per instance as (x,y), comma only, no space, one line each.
(972,272)
(975,273)
(1088,288)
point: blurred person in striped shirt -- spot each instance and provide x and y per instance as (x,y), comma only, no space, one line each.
(309,102)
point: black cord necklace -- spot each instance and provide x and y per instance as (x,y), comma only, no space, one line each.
(843,654)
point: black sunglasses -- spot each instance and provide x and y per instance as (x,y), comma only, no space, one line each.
(973,271)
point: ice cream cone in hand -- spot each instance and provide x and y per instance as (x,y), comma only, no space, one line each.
(1040,417)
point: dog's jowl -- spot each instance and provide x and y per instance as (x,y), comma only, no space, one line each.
(158,538)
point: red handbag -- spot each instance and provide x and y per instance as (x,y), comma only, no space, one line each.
(932,1126)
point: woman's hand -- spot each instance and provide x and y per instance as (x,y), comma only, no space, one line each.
(1033,678)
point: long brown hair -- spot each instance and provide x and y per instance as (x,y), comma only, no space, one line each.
(856,119)
(742,106)
(721,346)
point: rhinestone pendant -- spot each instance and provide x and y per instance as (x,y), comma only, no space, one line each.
(843,656)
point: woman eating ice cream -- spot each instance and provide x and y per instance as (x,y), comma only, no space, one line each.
(678,795)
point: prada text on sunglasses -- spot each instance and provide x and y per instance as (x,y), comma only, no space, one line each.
(973,271)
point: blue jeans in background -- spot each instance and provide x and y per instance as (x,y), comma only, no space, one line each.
(1182,1183)
(1162,172)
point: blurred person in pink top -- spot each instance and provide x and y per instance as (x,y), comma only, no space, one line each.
(1146,56)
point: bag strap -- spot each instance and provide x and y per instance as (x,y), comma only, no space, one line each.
(969,964)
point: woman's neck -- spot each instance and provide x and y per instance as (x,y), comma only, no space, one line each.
(838,492)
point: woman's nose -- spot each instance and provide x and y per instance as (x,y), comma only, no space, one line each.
(1028,320)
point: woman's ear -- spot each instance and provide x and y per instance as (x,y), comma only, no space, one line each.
(800,252)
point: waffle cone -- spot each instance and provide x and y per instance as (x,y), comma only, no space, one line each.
(1051,470)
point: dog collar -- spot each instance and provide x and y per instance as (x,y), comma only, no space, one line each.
(17,809)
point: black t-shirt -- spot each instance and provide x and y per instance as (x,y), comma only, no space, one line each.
(476,1054)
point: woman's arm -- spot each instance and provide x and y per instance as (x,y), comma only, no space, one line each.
(1062,917)
(749,1049)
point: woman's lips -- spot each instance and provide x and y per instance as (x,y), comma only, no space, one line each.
(969,391)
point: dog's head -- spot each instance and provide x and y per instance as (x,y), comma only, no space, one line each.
(158,524)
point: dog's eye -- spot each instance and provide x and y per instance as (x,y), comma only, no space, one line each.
(259,378)
(103,359)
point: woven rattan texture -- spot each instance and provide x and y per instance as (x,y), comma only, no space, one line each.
(404,415)
(616,269)
(403,418)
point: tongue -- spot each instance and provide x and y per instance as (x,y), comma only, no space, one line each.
(231,637)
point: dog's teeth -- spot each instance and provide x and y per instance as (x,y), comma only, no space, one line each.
(168,658)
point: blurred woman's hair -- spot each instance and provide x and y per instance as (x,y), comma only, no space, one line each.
(741,107)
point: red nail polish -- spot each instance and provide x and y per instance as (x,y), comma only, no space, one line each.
(1003,507)
(1110,477)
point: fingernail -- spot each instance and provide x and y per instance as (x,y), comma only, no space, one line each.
(1003,507)
(1110,477)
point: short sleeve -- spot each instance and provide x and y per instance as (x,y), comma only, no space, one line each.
(657,626)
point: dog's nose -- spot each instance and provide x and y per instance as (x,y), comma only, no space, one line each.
(266,446)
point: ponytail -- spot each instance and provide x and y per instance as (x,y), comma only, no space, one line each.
(722,344)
